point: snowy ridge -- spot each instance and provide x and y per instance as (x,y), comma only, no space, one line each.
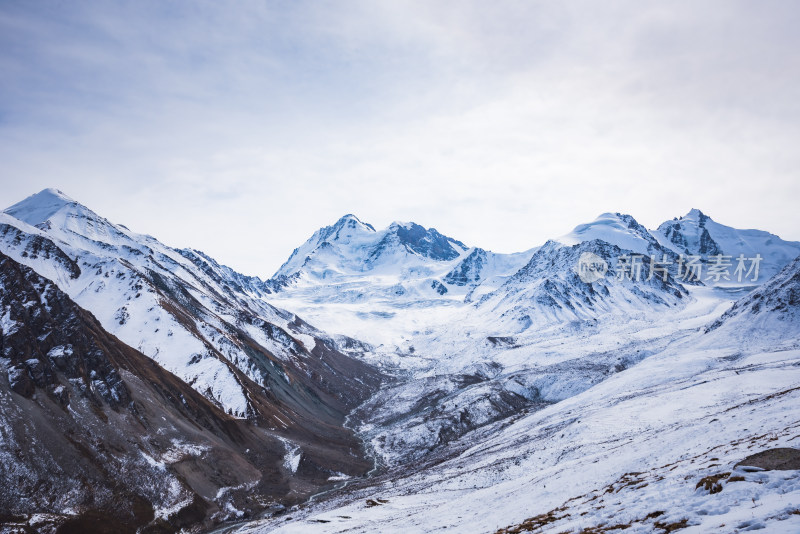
(197,318)
(548,289)
(768,312)
(616,229)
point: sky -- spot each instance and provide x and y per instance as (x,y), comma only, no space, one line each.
(239,128)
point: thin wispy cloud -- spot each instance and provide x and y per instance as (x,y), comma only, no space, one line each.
(241,128)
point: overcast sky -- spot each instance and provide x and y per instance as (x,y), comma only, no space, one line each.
(239,128)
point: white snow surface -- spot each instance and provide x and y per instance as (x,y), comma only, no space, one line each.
(630,450)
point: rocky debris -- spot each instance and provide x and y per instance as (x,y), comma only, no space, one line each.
(780,459)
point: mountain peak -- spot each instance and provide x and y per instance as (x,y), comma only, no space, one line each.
(351,221)
(696,215)
(39,207)
(344,230)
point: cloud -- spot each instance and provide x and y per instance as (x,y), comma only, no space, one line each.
(241,128)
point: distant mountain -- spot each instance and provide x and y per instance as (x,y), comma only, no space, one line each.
(549,288)
(482,271)
(351,246)
(372,284)
(697,234)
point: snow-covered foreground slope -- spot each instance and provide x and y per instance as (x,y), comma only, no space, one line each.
(630,451)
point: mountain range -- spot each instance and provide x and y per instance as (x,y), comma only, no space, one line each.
(148,388)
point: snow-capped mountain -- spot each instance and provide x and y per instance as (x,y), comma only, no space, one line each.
(351,246)
(469,358)
(195,317)
(549,288)
(94,432)
(697,234)
(205,324)
(640,277)
(381,285)
(616,229)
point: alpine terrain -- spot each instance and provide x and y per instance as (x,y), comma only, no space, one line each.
(616,378)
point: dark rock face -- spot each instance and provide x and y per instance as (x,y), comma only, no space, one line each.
(676,233)
(93,426)
(42,313)
(36,246)
(19,381)
(428,243)
(780,459)
(439,287)
(468,271)
(418,240)
(708,246)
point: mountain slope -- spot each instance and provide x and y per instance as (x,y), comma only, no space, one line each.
(549,289)
(206,324)
(199,319)
(767,312)
(381,286)
(103,439)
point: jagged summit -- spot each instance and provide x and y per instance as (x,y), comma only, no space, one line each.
(351,245)
(345,228)
(350,219)
(38,208)
(697,234)
(696,214)
(422,241)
